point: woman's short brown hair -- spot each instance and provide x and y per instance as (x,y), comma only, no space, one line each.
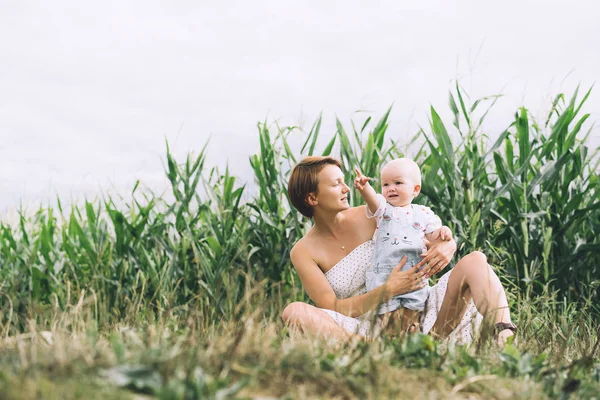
(303,180)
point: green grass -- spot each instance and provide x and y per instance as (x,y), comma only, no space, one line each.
(180,296)
(180,357)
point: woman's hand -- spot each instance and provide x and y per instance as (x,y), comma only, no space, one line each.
(400,282)
(438,255)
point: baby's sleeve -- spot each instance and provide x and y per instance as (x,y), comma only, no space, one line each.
(380,209)
(432,221)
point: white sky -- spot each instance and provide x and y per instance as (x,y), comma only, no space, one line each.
(89,92)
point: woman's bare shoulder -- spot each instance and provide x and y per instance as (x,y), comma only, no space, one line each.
(358,212)
(306,253)
(299,246)
(357,216)
(304,245)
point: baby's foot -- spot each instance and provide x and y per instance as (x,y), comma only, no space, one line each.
(415,327)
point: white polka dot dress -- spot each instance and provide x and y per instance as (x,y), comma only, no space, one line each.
(347,278)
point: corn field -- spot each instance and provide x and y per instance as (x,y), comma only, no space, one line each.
(529,198)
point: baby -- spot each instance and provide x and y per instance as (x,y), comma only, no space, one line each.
(401,228)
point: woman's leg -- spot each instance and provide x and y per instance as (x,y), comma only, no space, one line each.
(472,278)
(313,321)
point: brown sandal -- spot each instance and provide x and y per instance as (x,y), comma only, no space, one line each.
(501,326)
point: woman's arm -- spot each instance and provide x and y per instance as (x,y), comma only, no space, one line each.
(319,290)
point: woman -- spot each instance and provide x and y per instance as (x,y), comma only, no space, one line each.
(332,258)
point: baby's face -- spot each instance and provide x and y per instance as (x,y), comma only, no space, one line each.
(397,186)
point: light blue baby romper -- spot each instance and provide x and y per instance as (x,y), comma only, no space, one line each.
(400,231)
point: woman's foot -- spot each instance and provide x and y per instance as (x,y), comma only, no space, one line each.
(503,331)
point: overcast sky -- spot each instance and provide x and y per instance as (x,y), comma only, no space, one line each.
(89,92)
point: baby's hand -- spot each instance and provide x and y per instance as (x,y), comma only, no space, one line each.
(443,233)
(360,181)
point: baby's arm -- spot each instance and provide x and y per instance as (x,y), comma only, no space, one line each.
(433,227)
(443,233)
(361,183)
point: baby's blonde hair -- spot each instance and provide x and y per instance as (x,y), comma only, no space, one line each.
(408,165)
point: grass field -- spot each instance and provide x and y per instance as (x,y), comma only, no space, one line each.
(254,356)
(180,296)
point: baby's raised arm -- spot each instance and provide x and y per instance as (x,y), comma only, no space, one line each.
(361,183)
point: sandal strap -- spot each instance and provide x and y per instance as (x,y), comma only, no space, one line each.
(500,326)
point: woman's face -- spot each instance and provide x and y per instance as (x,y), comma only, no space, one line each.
(332,191)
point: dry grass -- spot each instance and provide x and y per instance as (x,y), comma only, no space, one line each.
(256,357)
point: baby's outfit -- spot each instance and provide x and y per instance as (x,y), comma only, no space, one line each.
(400,232)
